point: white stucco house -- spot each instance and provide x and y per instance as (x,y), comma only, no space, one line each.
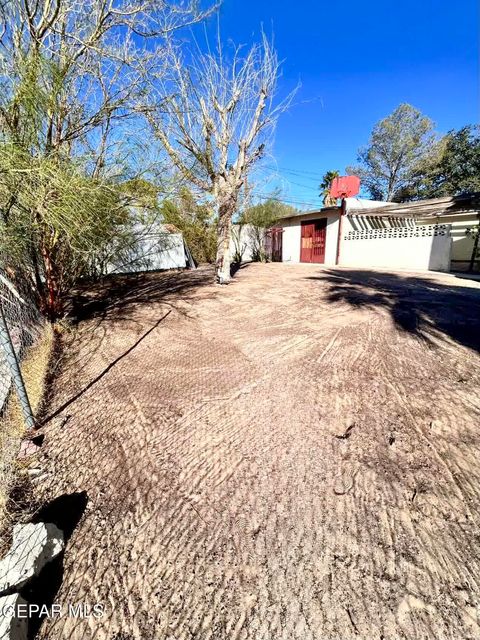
(421,235)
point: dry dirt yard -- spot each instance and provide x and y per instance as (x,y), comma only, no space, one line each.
(292,457)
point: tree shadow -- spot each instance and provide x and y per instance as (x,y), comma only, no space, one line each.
(116,294)
(104,371)
(417,305)
(236,266)
(65,512)
(94,309)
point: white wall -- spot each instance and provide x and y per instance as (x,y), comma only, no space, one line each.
(154,251)
(291,241)
(332,239)
(353,204)
(417,248)
(404,247)
(244,240)
(462,244)
(292,231)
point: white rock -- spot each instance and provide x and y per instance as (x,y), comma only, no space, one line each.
(34,472)
(13,627)
(34,545)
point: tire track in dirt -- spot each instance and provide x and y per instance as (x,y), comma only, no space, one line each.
(210,456)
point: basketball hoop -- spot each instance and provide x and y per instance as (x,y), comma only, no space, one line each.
(345,187)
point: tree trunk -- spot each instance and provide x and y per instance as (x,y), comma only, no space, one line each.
(52,300)
(224,234)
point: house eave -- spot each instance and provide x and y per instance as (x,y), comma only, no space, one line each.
(319,212)
(433,208)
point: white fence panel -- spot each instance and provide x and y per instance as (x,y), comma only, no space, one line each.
(154,251)
(246,241)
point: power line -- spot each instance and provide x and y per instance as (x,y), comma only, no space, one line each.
(305,186)
(309,175)
(267,196)
(298,184)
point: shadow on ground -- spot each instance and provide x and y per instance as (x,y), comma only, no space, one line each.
(417,305)
(93,305)
(103,372)
(65,512)
(117,294)
(269,448)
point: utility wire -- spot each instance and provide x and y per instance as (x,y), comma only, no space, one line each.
(298,184)
(266,196)
(309,175)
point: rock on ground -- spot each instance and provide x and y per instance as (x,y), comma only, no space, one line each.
(11,627)
(34,545)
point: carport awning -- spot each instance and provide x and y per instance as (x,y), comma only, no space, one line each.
(379,213)
(422,208)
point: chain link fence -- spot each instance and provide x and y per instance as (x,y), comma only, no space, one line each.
(21,325)
(26,340)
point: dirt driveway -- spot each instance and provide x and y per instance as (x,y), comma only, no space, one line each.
(292,457)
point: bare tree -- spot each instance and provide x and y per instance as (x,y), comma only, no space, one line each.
(70,70)
(217,122)
(72,74)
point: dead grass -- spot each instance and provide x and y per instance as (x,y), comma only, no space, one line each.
(35,366)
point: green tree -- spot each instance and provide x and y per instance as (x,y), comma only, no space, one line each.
(54,221)
(456,170)
(266,214)
(261,217)
(325,186)
(72,79)
(398,146)
(196,221)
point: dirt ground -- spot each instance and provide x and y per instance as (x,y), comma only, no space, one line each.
(292,457)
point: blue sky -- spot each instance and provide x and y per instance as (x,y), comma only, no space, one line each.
(357,61)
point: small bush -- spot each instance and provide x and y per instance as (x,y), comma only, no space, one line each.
(196,222)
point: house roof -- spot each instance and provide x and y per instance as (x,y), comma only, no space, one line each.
(323,211)
(351,203)
(436,207)
(364,204)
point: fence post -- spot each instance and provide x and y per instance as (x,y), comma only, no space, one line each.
(12,361)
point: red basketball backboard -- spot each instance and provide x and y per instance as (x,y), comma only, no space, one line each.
(345,187)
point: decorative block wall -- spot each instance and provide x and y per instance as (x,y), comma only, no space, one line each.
(400,232)
(425,247)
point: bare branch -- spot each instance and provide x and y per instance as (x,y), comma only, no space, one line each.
(219,123)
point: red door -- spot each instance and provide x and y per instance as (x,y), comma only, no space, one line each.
(312,247)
